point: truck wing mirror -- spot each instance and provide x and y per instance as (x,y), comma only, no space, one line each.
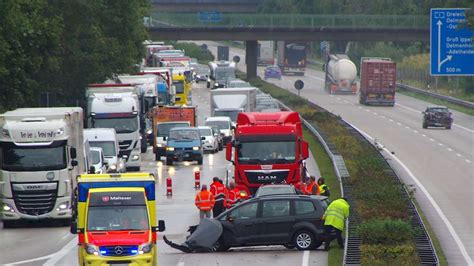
(74,163)
(203,138)
(73,153)
(92,170)
(304,150)
(228,151)
(73,228)
(160,228)
(164,137)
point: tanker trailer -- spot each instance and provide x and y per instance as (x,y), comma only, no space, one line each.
(341,74)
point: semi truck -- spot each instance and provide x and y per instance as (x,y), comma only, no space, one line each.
(268,148)
(166,90)
(340,75)
(119,110)
(291,57)
(41,153)
(265,53)
(167,117)
(115,219)
(378,78)
(231,101)
(221,72)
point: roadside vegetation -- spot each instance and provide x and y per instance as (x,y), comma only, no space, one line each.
(388,237)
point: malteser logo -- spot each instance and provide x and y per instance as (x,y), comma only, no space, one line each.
(120,198)
(105,198)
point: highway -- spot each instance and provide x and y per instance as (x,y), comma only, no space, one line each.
(47,244)
(438,162)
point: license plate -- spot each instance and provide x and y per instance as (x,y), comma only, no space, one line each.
(186,155)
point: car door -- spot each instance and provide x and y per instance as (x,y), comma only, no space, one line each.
(242,225)
(277,221)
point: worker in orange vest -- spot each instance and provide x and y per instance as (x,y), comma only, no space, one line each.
(204,202)
(312,188)
(218,190)
(234,195)
(226,194)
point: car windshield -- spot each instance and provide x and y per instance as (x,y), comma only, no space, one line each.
(95,155)
(230,114)
(184,135)
(225,73)
(33,158)
(438,110)
(273,190)
(116,218)
(205,132)
(164,129)
(179,85)
(219,124)
(269,152)
(120,124)
(108,147)
(273,68)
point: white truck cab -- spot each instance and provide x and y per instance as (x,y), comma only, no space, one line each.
(97,160)
(225,125)
(106,138)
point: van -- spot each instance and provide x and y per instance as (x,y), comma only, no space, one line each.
(106,138)
(225,126)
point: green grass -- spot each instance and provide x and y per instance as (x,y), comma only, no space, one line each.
(469,111)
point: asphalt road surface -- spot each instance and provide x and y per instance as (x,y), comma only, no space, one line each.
(438,163)
(47,244)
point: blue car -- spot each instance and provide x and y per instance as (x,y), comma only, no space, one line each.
(272,72)
(184,144)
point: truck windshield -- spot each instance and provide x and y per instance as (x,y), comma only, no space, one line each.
(33,158)
(164,129)
(179,85)
(267,152)
(107,146)
(230,114)
(225,73)
(222,125)
(184,135)
(121,124)
(117,218)
(95,155)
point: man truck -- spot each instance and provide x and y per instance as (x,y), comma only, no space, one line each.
(378,78)
(115,219)
(291,57)
(41,153)
(341,74)
(268,148)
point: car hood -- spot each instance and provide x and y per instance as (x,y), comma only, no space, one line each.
(183,144)
(125,238)
(205,235)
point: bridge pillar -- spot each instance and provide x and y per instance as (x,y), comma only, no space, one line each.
(251,58)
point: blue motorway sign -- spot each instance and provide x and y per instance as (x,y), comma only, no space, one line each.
(210,16)
(452,43)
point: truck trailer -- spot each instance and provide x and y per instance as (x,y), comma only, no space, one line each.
(265,53)
(291,57)
(340,75)
(232,101)
(221,72)
(41,153)
(378,79)
(268,148)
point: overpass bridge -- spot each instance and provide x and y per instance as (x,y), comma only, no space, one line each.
(291,27)
(239,6)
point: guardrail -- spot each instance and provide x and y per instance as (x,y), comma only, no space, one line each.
(352,255)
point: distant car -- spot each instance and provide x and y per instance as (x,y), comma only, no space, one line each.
(237,83)
(219,136)
(288,220)
(272,72)
(200,72)
(276,189)
(437,116)
(210,142)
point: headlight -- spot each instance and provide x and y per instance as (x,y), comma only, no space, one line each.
(149,132)
(7,208)
(63,206)
(243,194)
(145,248)
(197,76)
(170,148)
(195,148)
(216,84)
(5,133)
(113,167)
(159,145)
(135,157)
(92,250)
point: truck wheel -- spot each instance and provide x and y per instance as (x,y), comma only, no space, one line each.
(221,147)
(208,85)
(448,127)
(425,125)
(169,161)
(157,157)
(199,161)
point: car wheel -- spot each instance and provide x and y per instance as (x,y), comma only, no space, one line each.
(169,161)
(425,125)
(448,127)
(303,240)
(157,157)
(199,161)
(9,224)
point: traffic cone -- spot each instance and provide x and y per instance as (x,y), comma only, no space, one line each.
(169,186)
(197,180)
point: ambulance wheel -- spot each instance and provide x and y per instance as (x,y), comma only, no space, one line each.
(169,161)
(157,157)
(199,161)
(8,224)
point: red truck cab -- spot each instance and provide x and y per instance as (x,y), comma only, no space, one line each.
(268,148)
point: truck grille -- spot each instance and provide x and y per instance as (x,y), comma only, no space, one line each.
(118,250)
(125,144)
(261,177)
(35,202)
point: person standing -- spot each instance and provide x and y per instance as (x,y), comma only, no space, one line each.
(218,190)
(312,187)
(204,201)
(234,195)
(323,188)
(334,219)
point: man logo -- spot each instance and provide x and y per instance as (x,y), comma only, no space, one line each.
(118,250)
(50,176)
(105,198)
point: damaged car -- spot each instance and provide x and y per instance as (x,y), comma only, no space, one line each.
(294,221)
(437,116)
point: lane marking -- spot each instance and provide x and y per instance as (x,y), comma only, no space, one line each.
(391,120)
(181,263)
(431,139)
(449,149)
(407,127)
(416,111)
(311,76)
(375,113)
(305,258)
(438,210)
(398,123)
(382,116)
(423,135)
(61,253)
(458,155)
(415,131)
(468,161)
(440,144)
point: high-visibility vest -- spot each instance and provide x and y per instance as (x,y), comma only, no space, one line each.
(204,200)
(309,189)
(336,213)
(234,196)
(218,190)
(324,190)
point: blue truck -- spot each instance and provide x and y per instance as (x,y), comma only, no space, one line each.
(184,144)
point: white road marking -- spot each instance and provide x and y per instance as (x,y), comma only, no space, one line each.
(382,116)
(458,155)
(375,113)
(346,101)
(367,110)
(311,76)
(416,111)
(431,139)
(449,149)
(468,161)
(338,98)
(181,263)
(360,107)
(415,131)
(53,258)
(305,258)
(398,123)
(440,144)
(391,120)
(436,207)
(407,127)
(29,261)
(423,135)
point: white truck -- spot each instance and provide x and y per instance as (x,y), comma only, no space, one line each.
(106,138)
(231,101)
(41,153)
(266,53)
(221,72)
(118,110)
(341,74)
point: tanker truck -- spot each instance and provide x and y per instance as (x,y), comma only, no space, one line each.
(341,74)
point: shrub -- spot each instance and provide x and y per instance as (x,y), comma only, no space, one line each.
(386,231)
(389,255)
